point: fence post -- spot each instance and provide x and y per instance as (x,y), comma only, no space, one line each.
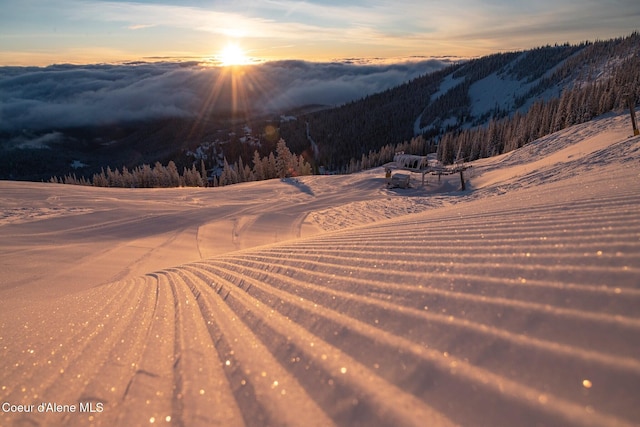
(632,110)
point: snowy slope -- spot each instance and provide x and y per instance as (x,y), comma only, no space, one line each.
(331,300)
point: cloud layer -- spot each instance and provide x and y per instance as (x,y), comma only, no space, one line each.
(63,96)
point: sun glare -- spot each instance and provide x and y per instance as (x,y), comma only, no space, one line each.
(232,54)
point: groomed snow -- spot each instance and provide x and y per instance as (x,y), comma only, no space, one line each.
(329,300)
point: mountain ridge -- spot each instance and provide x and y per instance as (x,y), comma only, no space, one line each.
(463,96)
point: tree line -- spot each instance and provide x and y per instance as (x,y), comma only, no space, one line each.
(282,164)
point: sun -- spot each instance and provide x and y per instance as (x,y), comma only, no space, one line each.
(232,54)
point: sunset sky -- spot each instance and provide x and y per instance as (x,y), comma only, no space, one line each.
(42,32)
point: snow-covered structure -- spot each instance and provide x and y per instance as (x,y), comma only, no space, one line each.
(406,162)
(419,164)
(411,162)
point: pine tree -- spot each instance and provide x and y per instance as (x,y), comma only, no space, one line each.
(258,169)
(203,173)
(283,159)
(270,166)
(304,167)
(147,178)
(100,180)
(127,178)
(196,177)
(248,173)
(229,175)
(173,174)
(242,177)
(562,112)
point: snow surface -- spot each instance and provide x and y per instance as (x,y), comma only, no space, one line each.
(330,300)
(448,83)
(497,90)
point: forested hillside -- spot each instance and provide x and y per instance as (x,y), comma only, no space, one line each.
(602,77)
(358,127)
(482,107)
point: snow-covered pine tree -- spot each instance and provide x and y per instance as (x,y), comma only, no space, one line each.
(203,173)
(173,174)
(100,179)
(269,164)
(258,168)
(161,175)
(127,178)
(147,179)
(248,173)
(283,159)
(304,166)
(196,177)
(239,167)
(229,175)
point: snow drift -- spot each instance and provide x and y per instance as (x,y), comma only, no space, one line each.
(331,300)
